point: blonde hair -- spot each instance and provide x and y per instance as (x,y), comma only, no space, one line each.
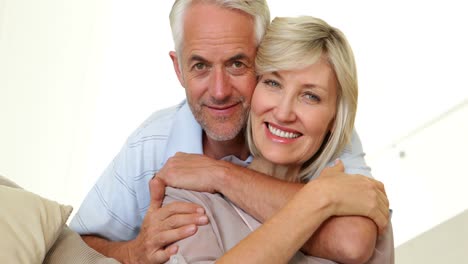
(297,42)
(257,9)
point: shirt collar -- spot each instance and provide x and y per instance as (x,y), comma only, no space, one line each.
(186,134)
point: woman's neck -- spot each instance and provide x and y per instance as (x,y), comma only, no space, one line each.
(282,172)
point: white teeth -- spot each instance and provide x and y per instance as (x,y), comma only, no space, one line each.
(281,133)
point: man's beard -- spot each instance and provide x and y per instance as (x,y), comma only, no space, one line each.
(218,128)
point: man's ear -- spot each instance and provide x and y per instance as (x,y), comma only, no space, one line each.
(176,65)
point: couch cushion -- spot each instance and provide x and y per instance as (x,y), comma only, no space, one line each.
(29,224)
(71,249)
(5,181)
(68,248)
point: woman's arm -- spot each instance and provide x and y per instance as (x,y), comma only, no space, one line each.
(261,196)
(277,240)
(224,231)
(284,234)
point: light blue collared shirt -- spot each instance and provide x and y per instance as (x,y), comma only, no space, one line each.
(116,205)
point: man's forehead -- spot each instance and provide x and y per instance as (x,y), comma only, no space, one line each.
(213,25)
(212,33)
(227,34)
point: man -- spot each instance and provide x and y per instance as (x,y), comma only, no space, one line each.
(214,61)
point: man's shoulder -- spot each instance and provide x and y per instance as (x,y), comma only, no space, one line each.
(157,125)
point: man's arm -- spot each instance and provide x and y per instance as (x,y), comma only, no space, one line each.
(161,227)
(261,196)
(121,250)
(138,251)
(355,245)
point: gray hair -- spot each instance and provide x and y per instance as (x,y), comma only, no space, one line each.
(294,43)
(257,9)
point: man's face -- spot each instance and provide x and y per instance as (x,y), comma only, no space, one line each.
(217,68)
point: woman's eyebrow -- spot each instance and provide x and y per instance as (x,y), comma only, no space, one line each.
(277,75)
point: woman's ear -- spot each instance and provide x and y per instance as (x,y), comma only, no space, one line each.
(177,69)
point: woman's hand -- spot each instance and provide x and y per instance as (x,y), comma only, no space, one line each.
(353,194)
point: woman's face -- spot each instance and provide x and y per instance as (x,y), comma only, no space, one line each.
(292,111)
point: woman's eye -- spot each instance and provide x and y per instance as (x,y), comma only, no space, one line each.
(312,97)
(272,83)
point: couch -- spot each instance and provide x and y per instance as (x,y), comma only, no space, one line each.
(33,230)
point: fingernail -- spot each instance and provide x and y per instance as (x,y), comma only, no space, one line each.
(173,249)
(200,210)
(203,220)
(191,229)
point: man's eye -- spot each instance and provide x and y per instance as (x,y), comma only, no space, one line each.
(199,66)
(236,68)
(237,64)
(272,83)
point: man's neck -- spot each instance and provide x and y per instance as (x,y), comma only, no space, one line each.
(220,149)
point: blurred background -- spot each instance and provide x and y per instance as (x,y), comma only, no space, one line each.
(77,77)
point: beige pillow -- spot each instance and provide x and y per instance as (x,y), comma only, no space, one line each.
(29,225)
(71,249)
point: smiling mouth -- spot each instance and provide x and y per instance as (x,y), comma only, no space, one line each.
(280,133)
(215,107)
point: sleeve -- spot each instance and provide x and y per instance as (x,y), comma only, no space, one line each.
(110,209)
(205,246)
(353,157)
(384,252)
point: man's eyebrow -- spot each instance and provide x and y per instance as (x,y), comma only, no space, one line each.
(196,58)
(240,56)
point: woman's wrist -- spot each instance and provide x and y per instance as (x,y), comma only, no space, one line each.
(317,193)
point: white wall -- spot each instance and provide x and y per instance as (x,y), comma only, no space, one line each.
(425,174)
(445,243)
(50,56)
(76,77)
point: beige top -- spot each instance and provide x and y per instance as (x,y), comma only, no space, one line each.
(230,224)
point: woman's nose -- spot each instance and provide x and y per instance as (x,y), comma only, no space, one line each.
(284,111)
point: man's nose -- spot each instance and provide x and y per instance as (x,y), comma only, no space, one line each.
(220,87)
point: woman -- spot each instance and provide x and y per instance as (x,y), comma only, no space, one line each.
(302,116)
